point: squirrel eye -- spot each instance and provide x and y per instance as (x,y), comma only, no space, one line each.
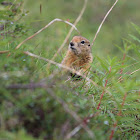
(82,42)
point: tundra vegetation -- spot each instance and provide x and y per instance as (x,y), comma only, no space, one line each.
(37,101)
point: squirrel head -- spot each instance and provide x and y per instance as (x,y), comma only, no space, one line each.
(80,46)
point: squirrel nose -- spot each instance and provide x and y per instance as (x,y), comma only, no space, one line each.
(72,44)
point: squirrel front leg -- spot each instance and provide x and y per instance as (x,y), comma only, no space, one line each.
(66,63)
(85,69)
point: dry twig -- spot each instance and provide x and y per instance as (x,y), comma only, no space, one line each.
(6,51)
(77,128)
(120,79)
(134,71)
(99,28)
(45,28)
(60,65)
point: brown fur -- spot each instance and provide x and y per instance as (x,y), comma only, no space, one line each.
(80,57)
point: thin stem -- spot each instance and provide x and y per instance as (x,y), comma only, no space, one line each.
(103,90)
(113,131)
(2,52)
(99,28)
(45,28)
(119,114)
(120,78)
(124,98)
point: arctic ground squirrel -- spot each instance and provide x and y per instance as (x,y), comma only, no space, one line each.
(78,56)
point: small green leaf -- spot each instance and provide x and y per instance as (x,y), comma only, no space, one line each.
(103,63)
(136,27)
(135,38)
(119,48)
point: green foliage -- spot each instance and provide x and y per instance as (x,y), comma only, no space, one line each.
(29,114)
(15,136)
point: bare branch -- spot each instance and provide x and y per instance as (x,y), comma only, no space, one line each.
(12,4)
(134,71)
(1,52)
(73,132)
(27,86)
(60,65)
(45,28)
(119,80)
(70,31)
(103,21)
(77,128)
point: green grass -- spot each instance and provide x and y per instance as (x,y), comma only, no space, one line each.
(35,113)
